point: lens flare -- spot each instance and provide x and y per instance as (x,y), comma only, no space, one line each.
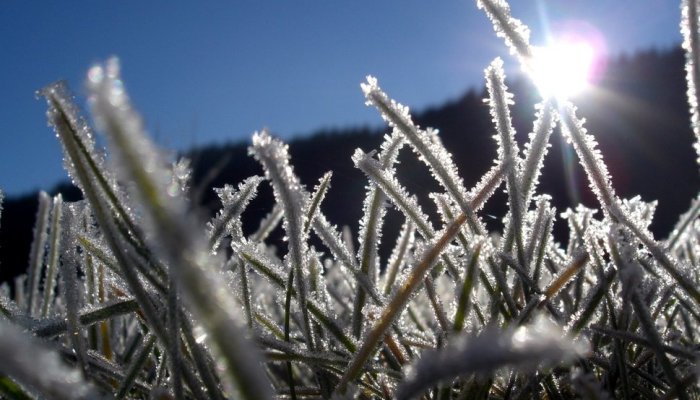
(562,69)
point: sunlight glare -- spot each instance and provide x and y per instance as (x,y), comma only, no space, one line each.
(562,69)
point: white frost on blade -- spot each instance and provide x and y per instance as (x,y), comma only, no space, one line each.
(640,212)
(268,224)
(181,176)
(512,30)
(536,150)
(32,364)
(136,159)
(374,208)
(331,237)
(61,104)
(38,249)
(274,157)
(234,202)
(681,231)
(426,145)
(539,345)
(319,193)
(401,255)
(288,191)
(69,278)
(172,230)
(406,203)
(589,156)
(486,186)
(691,45)
(499,101)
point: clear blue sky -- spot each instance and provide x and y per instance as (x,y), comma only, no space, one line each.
(210,72)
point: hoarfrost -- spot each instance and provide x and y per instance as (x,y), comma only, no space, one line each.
(36,366)
(427,147)
(394,191)
(512,30)
(234,202)
(527,347)
(691,45)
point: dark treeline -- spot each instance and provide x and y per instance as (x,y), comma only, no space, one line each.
(638,113)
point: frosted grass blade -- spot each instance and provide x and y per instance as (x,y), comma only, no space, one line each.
(578,262)
(172,320)
(274,157)
(427,145)
(268,224)
(394,191)
(685,222)
(371,226)
(36,253)
(536,150)
(31,363)
(630,277)
(273,272)
(165,217)
(316,198)
(58,325)
(512,30)
(590,157)
(83,162)
(675,274)
(136,365)
(69,277)
(499,100)
(528,347)
(287,314)
(234,202)
(339,249)
(398,255)
(691,44)
(398,303)
(54,252)
(468,286)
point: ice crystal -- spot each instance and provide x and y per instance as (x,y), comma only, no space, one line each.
(691,45)
(508,153)
(590,157)
(536,150)
(234,202)
(541,343)
(317,197)
(430,151)
(394,191)
(512,30)
(63,111)
(181,175)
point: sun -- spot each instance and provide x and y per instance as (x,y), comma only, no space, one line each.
(562,69)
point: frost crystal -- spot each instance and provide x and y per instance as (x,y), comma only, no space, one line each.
(512,30)
(536,150)
(234,202)
(691,45)
(430,151)
(538,345)
(590,157)
(62,111)
(394,191)
(274,157)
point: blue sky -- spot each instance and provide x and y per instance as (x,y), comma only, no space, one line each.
(213,72)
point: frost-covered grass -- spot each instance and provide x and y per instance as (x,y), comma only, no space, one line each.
(128,294)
